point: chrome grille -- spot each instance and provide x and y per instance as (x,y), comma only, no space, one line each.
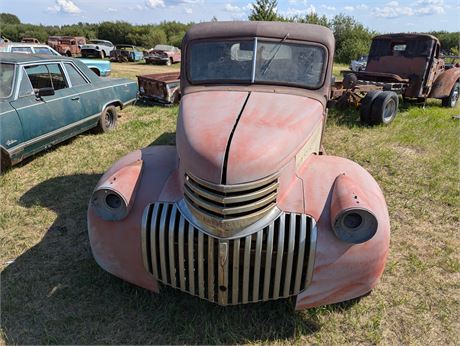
(275,262)
(230,207)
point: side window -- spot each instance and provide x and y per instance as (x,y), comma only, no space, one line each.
(42,50)
(39,76)
(57,76)
(27,50)
(75,77)
(25,87)
(46,76)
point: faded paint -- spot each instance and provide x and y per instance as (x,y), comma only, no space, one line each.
(205,123)
(275,125)
(342,271)
(116,246)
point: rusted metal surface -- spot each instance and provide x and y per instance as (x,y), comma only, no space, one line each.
(443,85)
(412,61)
(163,54)
(272,124)
(116,246)
(238,144)
(160,87)
(119,188)
(67,45)
(342,271)
(30,40)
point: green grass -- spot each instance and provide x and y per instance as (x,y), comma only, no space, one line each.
(55,293)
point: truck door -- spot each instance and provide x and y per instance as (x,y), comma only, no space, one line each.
(49,119)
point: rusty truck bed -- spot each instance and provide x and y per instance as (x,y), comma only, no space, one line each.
(163,88)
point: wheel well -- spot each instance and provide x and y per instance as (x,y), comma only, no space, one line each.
(68,53)
(5,159)
(96,71)
(114,103)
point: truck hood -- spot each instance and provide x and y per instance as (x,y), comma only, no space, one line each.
(233,137)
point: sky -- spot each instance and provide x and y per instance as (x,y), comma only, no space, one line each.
(381,15)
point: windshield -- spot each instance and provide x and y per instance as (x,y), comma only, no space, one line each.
(6,80)
(257,61)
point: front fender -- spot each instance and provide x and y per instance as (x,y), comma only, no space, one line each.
(116,245)
(341,271)
(444,83)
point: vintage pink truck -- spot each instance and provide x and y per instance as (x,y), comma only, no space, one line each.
(246,207)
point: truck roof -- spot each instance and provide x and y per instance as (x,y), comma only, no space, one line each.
(229,29)
(405,37)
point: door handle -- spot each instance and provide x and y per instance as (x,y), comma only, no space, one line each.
(76,98)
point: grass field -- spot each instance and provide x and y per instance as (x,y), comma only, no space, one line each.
(52,291)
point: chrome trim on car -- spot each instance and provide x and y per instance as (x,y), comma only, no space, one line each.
(50,134)
(274,261)
(226,209)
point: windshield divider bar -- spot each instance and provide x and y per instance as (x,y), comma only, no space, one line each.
(253,77)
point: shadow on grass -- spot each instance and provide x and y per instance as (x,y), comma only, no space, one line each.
(55,292)
(348,117)
(166,138)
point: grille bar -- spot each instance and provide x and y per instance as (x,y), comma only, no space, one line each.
(274,262)
(232,206)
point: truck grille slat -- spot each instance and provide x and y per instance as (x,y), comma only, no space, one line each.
(226,203)
(271,263)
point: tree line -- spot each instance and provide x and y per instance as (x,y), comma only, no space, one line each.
(352,38)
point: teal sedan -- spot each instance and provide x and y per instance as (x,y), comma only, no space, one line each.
(45,100)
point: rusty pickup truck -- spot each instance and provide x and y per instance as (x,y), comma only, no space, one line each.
(399,64)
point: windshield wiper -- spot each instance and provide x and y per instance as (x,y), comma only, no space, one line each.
(268,63)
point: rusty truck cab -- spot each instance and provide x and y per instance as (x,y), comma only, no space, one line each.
(407,58)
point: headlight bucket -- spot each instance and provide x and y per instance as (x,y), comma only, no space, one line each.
(352,219)
(114,197)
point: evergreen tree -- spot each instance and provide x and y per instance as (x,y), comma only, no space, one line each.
(264,10)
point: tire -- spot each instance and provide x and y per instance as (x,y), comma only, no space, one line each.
(452,100)
(366,104)
(5,162)
(68,54)
(102,54)
(384,108)
(107,120)
(169,62)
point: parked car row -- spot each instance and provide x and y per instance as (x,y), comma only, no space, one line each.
(45,99)
(100,67)
(247,206)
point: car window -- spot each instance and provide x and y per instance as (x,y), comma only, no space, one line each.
(21,50)
(39,76)
(46,76)
(43,50)
(57,76)
(75,77)
(6,79)
(25,87)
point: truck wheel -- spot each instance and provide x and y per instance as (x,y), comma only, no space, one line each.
(169,62)
(107,120)
(384,108)
(452,100)
(102,54)
(68,54)
(366,104)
